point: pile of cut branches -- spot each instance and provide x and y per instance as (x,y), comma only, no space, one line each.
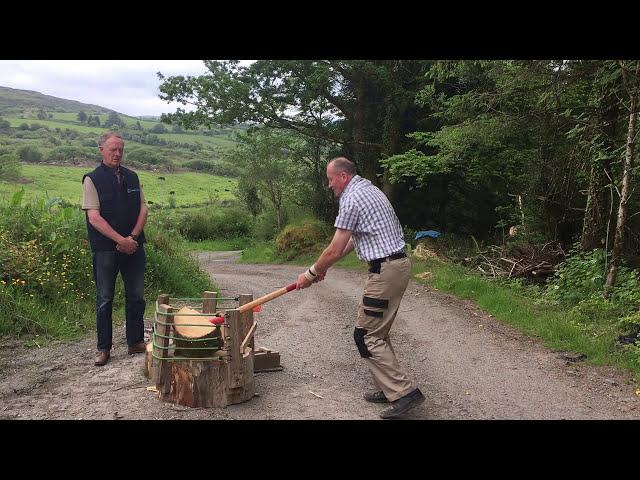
(534,262)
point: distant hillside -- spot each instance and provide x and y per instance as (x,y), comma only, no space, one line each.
(27,102)
(39,128)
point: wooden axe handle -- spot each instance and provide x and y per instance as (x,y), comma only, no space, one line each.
(259,301)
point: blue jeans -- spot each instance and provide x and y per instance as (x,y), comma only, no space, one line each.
(106,266)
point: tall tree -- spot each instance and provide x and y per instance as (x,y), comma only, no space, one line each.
(113,120)
(360,105)
(264,159)
(630,72)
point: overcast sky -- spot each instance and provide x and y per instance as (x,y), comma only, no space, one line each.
(126,86)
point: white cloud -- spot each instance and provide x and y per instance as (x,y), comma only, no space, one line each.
(126,86)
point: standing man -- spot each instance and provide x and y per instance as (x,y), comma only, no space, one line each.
(367,222)
(116,214)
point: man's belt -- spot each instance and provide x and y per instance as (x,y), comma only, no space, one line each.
(395,256)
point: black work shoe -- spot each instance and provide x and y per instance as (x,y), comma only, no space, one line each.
(376,397)
(403,404)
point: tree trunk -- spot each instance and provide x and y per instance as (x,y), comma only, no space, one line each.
(594,223)
(364,128)
(594,226)
(616,254)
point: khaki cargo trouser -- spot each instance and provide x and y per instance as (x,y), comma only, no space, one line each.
(376,313)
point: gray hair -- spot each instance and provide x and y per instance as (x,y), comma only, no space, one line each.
(342,164)
(107,136)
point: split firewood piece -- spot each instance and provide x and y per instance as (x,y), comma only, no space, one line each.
(193,331)
(148,360)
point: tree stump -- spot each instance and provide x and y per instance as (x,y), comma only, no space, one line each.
(225,379)
(195,336)
(205,384)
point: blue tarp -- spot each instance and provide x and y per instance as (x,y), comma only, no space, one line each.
(427,233)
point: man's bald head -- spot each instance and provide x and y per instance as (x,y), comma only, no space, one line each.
(342,164)
(340,171)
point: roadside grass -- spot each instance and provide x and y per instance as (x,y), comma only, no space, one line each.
(221,245)
(46,286)
(559,327)
(266,252)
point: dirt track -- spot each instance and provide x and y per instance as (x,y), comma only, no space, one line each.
(468,365)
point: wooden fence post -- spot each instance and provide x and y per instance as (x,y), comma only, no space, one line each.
(232,317)
(164,329)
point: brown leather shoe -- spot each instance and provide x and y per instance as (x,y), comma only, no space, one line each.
(102,358)
(137,348)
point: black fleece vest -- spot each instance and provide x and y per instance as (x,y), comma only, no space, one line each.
(119,205)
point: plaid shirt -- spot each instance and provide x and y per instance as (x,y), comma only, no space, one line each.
(367,213)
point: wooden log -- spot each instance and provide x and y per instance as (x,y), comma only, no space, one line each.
(195,335)
(266,360)
(209,302)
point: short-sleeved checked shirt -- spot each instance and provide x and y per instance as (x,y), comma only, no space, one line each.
(367,213)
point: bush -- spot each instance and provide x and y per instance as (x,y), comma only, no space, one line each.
(597,310)
(73,154)
(200,166)
(9,167)
(212,224)
(143,157)
(46,280)
(170,269)
(582,276)
(222,168)
(266,225)
(295,241)
(158,128)
(29,153)
(36,126)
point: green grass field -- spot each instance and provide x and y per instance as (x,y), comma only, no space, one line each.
(65,182)
(204,140)
(52,124)
(68,120)
(73,117)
